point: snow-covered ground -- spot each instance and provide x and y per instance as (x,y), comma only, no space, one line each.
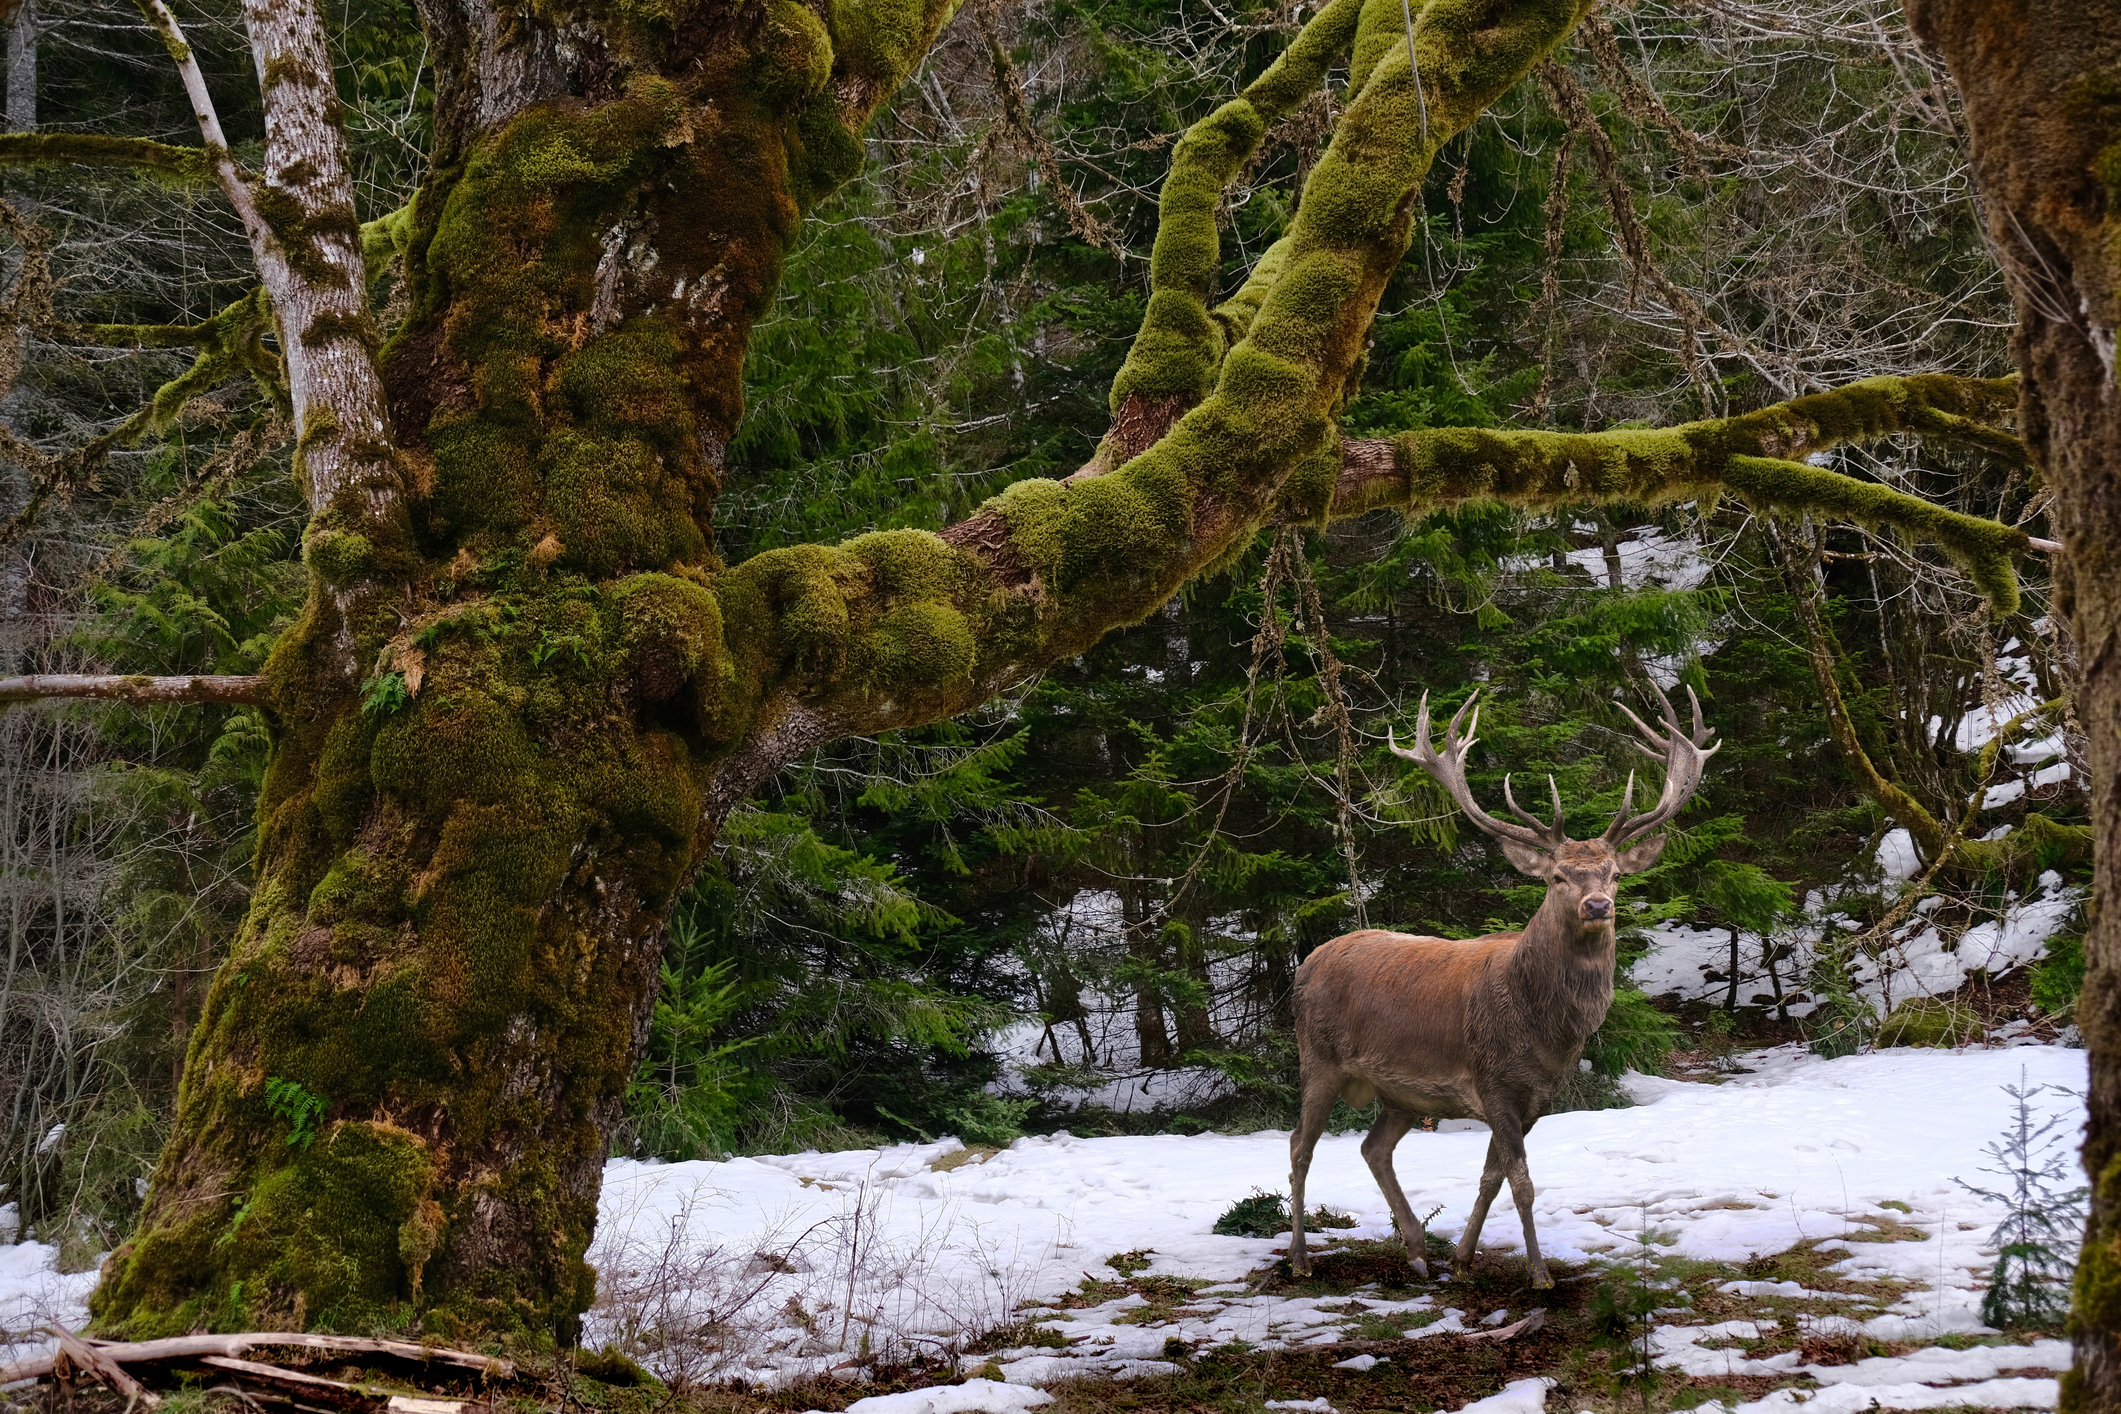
(800,1262)
(885,1243)
(1919,959)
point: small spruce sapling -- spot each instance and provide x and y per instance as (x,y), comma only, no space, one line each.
(2043,1223)
(1624,1316)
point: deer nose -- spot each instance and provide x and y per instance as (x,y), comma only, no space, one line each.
(1597,906)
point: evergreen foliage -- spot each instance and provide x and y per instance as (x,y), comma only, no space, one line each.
(1260,1215)
(2043,1223)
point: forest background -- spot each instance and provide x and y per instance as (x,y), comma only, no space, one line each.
(1084,905)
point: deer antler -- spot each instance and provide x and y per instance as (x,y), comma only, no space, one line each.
(1449,769)
(1683,758)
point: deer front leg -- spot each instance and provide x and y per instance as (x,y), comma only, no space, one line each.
(1508,1143)
(1491,1175)
(1319,1091)
(1377,1146)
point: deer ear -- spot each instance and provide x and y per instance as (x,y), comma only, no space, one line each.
(1641,855)
(1527,860)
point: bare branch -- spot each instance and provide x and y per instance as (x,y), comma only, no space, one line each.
(225,173)
(191,1347)
(38,687)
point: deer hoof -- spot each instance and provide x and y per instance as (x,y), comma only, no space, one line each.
(1421,1268)
(1540,1280)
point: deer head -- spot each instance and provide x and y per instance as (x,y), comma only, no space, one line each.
(1581,872)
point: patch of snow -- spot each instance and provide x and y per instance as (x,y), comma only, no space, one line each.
(1933,1364)
(1517,1397)
(1897,858)
(971,1397)
(1363,1363)
(818,1255)
(1855,1399)
(34,1292)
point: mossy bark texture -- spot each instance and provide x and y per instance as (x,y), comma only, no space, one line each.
(2041,80)
(470,839)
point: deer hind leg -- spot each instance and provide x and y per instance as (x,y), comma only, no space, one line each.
(1491,1176)
(1320,1087)
(1384,1136)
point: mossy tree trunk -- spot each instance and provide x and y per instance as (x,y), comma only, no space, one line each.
(2041,81)
(525,691)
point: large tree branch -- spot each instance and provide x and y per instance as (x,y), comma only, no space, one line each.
(1756,455)
(1178,352)
(899,628)
(249,691)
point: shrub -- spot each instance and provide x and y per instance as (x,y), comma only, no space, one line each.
(2059,976)
(1263,1214)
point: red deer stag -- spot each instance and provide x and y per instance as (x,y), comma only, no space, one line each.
(1490,1028)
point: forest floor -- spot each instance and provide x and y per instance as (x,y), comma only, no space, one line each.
(1793,1227)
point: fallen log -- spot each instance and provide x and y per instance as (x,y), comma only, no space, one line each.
(336,1392)
(1530,1323)
(197,1347)
(93,1362)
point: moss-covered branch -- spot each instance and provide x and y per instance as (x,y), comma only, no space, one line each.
(230,344)
(905,627)
(1179,349)
(1756,455)
(175,166)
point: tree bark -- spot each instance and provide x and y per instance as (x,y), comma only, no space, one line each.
(22,67)
(2041,81)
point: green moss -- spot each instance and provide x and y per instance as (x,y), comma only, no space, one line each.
(881,40)
(173,166)
(1179,348)
(326,1228)
(673,638)
(1928,1021)
(339,557)
(917,648)
(1986,549)
(327,327)
(792,56)
(2095,1291)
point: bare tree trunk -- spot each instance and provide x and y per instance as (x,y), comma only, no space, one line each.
(2041,81)
(1195,1026)
(1146,961)
(22,68)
